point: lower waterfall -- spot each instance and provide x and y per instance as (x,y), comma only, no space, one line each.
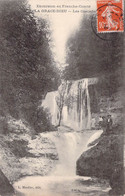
(69,146)
(63,181)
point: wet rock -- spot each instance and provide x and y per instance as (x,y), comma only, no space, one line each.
(105,161)
(5,187)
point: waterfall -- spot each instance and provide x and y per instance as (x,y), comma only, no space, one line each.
(75,98)
(68,142)
(69,146)
(88,107)
(49,104)
(62,180)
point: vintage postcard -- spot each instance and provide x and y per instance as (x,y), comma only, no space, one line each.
(61,97)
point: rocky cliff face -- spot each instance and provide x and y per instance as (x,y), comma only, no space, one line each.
(6,189)
(106,97)
(105,160)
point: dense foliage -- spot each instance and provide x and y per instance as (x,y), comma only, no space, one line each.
(90,54)
(27,68)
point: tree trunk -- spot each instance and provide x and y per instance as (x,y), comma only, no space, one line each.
(60,117)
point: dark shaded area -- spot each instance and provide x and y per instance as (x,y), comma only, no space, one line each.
(88,55)
(19,148)
(110,83)
(27,70)
(6,189)
(105,161)
(93,98)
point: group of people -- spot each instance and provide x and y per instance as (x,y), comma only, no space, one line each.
(105,123)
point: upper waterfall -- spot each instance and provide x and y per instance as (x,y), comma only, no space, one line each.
(70,105)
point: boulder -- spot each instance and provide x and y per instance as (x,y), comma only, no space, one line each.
(105,161)
(6,189)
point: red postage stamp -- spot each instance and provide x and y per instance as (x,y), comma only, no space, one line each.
(110,16)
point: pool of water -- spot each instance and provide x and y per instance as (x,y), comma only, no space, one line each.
(60,186)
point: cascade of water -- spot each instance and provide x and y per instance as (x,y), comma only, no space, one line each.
(78,105)
(88,106)
(62,180)
(70,146)
(66,145)
(49,104)
(76,112)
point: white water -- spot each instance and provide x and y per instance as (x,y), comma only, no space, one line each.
(69,147)
(60,186)
(76,112)
(50,105)
(70,144)
(63,180)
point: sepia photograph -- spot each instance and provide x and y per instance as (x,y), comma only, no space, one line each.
(62,97)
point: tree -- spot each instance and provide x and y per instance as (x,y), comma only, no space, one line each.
(27,68)
(60,99)
(88,55)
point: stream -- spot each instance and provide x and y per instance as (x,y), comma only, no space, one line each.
(62,180)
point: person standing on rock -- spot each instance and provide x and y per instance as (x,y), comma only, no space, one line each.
(109,123)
